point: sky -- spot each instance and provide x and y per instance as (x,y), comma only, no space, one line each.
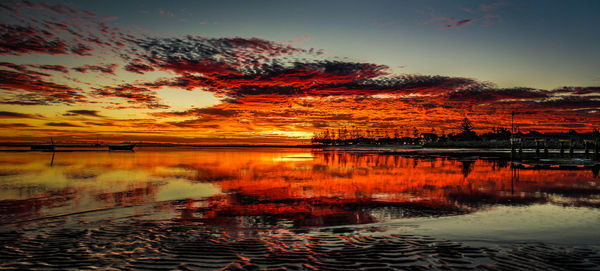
(276,72)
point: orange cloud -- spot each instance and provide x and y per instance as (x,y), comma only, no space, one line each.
(269,91)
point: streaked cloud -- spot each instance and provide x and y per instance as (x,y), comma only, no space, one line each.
(89,113)
(266,89)
(17,115)
(135,96)
(103,68)
(61,124)
(27,89)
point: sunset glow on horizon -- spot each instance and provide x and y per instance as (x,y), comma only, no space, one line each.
(278,72)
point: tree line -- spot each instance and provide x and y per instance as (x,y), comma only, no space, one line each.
(382,136)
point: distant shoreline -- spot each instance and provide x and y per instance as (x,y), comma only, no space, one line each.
(104,145)
(382,147)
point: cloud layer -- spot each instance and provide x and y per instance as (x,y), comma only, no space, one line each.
(268,90)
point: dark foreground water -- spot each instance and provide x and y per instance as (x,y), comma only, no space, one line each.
(298,209)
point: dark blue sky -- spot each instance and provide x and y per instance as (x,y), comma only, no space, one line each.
(542,44)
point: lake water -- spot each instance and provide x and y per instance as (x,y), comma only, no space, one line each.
(283,197)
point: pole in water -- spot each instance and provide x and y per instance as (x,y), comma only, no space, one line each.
(512,135)
(512,125)
(571,148)
(585,145)
(520,148)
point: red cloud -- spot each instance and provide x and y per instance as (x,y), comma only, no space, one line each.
(103,68)
(265,86)
(89,113)
(62,124)
(16,40)
(16,115)
(210,56)
(82,49)
(458,24)
(37,91)
(57,68)
(138,68)
(135,95)
(15,125)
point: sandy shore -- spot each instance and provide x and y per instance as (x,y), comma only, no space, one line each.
(293,210)
(168,245)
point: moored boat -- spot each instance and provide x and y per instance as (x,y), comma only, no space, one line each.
(43,147)
(121,147)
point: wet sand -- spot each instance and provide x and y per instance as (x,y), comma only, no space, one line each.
(292,210)
(168,245)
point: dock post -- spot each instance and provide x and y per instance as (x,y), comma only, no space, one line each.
(585,145)
(571,148)
(512,149)
(562,148)
(514,144)
(521,149)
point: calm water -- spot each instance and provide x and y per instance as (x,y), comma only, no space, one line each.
(478,200)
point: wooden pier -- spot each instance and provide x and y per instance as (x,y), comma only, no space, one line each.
(591,147)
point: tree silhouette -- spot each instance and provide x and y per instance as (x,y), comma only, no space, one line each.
(466,131)
(466,126)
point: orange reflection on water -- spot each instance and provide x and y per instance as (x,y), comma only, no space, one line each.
(275,187)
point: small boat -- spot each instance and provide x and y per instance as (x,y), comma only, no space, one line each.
(43,147)
(121,147)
